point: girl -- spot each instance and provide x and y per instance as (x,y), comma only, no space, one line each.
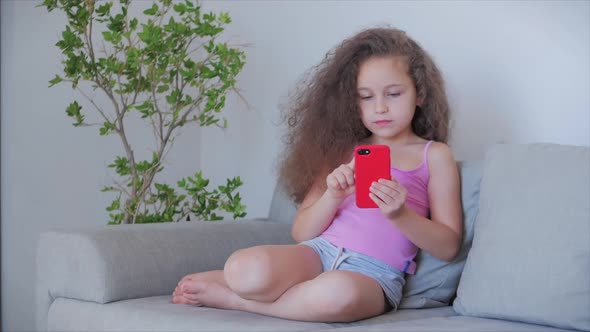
(378,87)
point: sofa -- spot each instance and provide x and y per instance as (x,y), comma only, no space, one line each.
(524,263)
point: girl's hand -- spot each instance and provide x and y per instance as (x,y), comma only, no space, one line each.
(390,197)
(341,181)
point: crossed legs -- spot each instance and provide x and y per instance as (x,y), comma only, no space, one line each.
(284,281)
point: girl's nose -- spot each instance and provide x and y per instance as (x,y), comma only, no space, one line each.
(381,107)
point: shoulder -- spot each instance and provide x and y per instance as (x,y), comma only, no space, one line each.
(440,156)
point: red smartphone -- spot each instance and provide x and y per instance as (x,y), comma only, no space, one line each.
(371,163)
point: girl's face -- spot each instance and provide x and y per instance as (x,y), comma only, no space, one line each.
(386,97)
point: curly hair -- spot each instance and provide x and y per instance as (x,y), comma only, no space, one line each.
(323,115)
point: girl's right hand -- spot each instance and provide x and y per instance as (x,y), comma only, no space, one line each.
(341,181)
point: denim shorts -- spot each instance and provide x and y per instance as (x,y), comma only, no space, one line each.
(389,278)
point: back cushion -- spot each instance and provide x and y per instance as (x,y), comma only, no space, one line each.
(530,259)
(282,209)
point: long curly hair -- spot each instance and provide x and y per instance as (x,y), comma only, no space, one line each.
(323,115)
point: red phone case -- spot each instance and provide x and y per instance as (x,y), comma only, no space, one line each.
(370,167)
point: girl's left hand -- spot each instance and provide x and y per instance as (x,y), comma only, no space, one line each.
(390,197)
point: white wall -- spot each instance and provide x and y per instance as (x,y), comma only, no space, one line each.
(516,72)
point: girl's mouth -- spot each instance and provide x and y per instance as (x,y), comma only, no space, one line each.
(382,122)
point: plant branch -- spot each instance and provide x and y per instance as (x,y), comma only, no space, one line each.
(105,117)
(161,120)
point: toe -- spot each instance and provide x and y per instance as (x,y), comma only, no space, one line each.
(184,300)
(192,288)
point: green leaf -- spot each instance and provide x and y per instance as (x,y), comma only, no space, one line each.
(107,189)
(115,205)
(207,73)
(133,24)
(107,128)
(144,36)
(209,17)
(224,18)
(55,81)
(121,166)
(147,109)
(73,111)
(104,10)
(162,88)
(173,97)
(70,40)
(152,11)
(50,4)
(108,36)
(180,8)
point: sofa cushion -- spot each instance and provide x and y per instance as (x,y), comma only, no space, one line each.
(159,314)
(106,264)
(531,248)
(282,208)
(435,281)
(451,323)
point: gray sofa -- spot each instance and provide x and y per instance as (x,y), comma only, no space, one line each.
(524,264)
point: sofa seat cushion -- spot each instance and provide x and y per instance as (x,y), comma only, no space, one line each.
(452,323)
(159,314)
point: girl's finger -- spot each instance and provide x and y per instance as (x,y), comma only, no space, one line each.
(351,164)
(384,190)
(386,199)
(333,182)
(341,180)
(377,200)
(390,183)
(398,187)
(349,174)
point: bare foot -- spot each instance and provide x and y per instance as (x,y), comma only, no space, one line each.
(212,294)
(215,275)
(179,298)
(210,276)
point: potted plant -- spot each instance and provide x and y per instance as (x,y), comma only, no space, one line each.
(168,68)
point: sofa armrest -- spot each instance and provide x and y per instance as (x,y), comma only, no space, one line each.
(114,263)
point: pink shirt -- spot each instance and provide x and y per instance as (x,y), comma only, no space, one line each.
(367,231)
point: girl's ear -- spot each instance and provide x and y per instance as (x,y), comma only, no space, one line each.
(419,101)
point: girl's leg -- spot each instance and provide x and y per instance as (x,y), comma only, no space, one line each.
(262,273)
(334,296)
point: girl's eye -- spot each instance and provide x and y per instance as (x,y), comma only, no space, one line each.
(366,97)
(394,94)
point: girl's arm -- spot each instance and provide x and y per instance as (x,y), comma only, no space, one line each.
(320,205)
(440,236)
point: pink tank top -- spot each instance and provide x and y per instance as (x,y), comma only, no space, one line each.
(367,231)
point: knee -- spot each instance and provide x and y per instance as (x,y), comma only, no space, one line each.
(248,271)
